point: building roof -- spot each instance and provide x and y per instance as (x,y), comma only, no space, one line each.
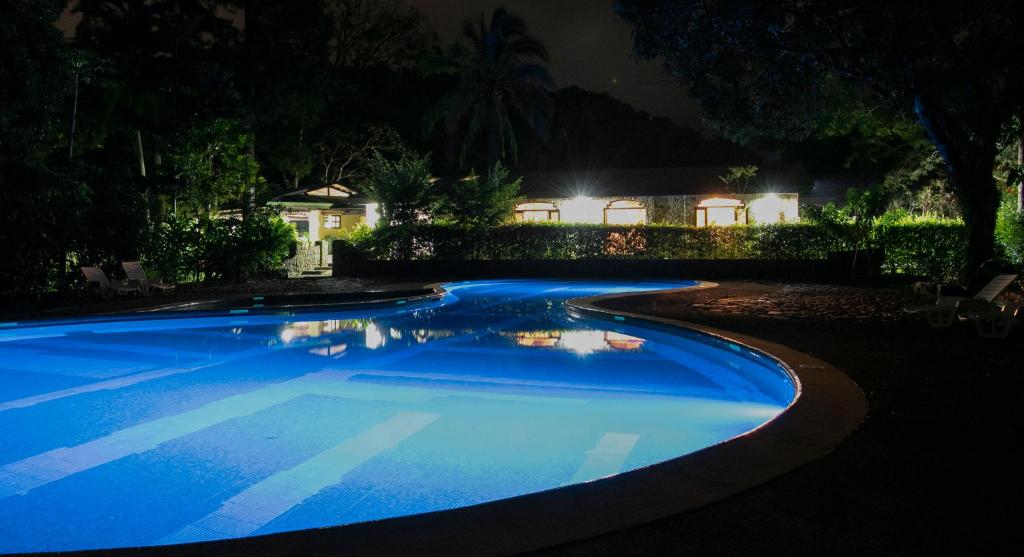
(630,182)
(334,196)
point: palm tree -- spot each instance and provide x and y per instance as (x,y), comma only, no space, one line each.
(502,72)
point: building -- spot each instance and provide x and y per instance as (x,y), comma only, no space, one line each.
(692,196)
(320,215)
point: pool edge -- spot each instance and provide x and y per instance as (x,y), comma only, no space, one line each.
(828,407)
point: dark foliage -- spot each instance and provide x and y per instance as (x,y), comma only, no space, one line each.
(595,130)
(194,249)
(795,68)
(503,78)
(933,250)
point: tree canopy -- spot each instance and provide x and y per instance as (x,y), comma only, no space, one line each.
(502,73)
(795,68)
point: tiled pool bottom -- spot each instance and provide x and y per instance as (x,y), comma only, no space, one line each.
(170,430)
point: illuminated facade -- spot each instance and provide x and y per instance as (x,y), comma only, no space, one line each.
(688,210)
(319,216)
(690,196)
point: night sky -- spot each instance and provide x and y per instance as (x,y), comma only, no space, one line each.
(590,47)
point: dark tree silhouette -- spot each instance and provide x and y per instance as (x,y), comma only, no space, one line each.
(503,72)
(790,67)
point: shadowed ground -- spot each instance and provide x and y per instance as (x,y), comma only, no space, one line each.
(933,470)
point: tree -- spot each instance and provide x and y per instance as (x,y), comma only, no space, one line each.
(738,178)
(213,167)
(151,60)
(343,156)
(285,83)
(596,130)
(39,203)
(403,188)
(364,33)
(480,202)
(33,78)
(798,68)
(318,78)
(503,72)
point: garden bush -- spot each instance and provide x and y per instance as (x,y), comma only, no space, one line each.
(922,246)
(196,249)
(931,248)
(1010,231)
(524,241)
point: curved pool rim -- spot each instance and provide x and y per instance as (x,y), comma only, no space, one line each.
(827,407)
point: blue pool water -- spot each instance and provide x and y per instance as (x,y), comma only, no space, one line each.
(167,428)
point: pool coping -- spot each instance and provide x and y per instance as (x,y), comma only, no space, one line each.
(828,407)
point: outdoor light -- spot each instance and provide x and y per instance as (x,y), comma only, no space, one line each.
(582,209)
(372,214)
(769,209)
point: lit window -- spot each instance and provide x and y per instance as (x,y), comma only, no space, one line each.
(625,212)
(332,221)
(719,211)
(536,212)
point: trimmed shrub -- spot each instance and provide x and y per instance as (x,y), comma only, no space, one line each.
(190,249)
(531,241)
(919,247)
(933,248)
(1010,231)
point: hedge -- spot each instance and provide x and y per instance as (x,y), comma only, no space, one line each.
(195,249)
(930,248)
(934,248)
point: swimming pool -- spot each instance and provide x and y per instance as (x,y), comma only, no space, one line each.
(162,429)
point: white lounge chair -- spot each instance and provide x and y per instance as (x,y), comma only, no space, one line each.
(95,275)
(995,322)
(137,276)
(946,308)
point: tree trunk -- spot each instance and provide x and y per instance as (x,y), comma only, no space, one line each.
(979,202)
(74,122)
(141,153)
(969,158)
(1020,162)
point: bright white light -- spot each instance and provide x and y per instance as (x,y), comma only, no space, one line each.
(772,209)
(374,337)
(582,209)
(582,342)
(372,214)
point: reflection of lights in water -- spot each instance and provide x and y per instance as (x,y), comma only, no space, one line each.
(313,329)
(582,342)
(619,341)
(374,337)
(336,350)
(538,339)
(395,334)
(288,334)
(579,341)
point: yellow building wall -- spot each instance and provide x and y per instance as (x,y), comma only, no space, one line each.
(348,222)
